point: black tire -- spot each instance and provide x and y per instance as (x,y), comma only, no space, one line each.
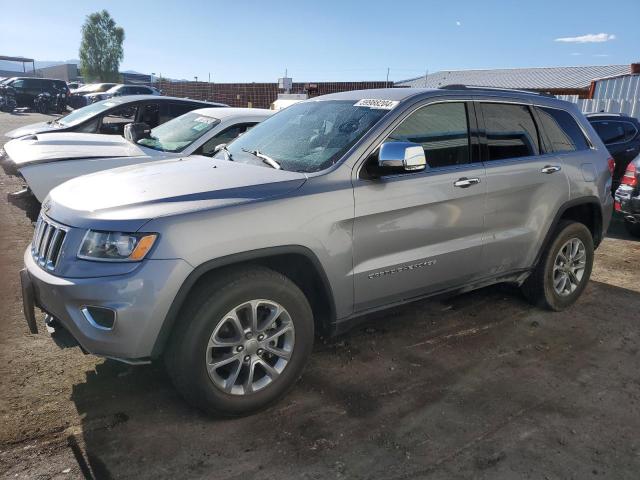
(204,309)
(632,228)
(538,288)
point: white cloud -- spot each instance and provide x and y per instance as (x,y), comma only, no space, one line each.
(589,38)
(576,54)
(601,55)
(459,23)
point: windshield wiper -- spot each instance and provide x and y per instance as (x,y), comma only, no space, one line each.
(223,147)
(265,158)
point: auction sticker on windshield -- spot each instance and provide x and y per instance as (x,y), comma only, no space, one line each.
(202,122)
(376,103)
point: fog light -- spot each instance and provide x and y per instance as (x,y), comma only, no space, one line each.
(99,317)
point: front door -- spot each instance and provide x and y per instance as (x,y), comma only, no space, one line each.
(417,233)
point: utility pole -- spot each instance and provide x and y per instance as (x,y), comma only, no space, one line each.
(426,74)
(388,76)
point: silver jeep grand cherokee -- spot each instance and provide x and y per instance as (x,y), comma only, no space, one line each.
(333,208)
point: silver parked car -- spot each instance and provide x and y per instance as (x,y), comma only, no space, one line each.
(333,208)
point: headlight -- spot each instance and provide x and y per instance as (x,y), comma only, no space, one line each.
(116,246)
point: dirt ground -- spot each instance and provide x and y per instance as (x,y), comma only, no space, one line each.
(477,386)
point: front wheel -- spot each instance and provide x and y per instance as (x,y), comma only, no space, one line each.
(242,342)
(563,270)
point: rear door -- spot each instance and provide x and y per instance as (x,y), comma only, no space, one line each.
(525,185)
(421,232)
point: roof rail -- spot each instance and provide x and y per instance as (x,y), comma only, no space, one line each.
(455,86)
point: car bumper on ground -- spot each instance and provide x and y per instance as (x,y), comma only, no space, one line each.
(139,302)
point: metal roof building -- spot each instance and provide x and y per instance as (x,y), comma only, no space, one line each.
(556,80)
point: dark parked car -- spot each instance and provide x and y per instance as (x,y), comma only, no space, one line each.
(110,116)
(79,98)
(27,89)
(621,135)
(628,197)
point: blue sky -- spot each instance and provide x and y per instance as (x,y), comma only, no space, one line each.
(328,40)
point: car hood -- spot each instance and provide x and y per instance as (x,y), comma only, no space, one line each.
(39,127)
(130,196)
(47,147)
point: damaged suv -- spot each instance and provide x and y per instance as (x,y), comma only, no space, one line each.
(227,267)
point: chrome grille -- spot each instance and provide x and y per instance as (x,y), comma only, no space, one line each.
(48,239)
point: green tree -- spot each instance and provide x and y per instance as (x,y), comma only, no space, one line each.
(101,48)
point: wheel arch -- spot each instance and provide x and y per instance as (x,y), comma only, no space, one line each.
(586,210)
(293,261)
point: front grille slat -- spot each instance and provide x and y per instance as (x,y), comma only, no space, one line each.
(48,239)
(42,249)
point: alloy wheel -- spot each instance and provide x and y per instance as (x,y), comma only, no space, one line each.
(250,347)
(569,267)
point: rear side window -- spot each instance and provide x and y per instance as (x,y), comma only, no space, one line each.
(442,130)
(630,131)
(562,131)
(511,131)
(610,132)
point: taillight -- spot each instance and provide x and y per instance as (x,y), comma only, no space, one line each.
(630,175)
(611,163)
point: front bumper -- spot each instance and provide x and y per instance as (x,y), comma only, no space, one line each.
(140,299)
(628,203)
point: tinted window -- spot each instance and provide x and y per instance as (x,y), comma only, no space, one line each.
(511,131)
(630,131)
(441,129)
(561,130)
(150,114)
(610,132)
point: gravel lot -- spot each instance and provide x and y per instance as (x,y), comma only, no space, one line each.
(477,386)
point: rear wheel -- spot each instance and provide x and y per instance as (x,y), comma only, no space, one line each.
(243,341)
(632,228)
(564,268)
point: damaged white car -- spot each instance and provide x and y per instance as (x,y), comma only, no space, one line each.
(45,160)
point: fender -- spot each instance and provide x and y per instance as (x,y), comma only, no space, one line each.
(589,200)
(237,258)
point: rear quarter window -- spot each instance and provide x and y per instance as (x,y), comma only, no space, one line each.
(563,134)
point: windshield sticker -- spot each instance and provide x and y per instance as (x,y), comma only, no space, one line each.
(206,120)
(376,103)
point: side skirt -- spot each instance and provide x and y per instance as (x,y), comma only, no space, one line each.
(516,277)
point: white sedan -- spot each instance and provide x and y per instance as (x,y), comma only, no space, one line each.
(46,160)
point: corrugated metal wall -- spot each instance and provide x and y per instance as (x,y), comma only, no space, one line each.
(612,95)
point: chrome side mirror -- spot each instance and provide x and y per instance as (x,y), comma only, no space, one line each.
(405,156)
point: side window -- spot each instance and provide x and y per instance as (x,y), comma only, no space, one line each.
(442,130)
(225,136)
(17,84)
(610,132)
(562,131)
(169,110)
(115,120)
(630,131)
(150,114)
(511,131)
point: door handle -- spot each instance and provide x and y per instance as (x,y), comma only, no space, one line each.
(465,182)
(551,169)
